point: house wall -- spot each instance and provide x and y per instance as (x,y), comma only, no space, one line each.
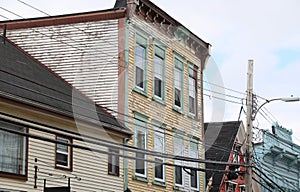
(278,159)
(90,167)
(156,111)
(84,54)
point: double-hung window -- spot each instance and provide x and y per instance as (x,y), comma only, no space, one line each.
(140,59)
(192,90)
(159,65)
(13,149)
(140,137)
(194,176)
(113,162)
(179,151)
(63,158)
(178,83)
(159,146)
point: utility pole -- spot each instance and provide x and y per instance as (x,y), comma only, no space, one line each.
(249,150)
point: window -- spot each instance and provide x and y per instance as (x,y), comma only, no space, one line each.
(192,90)
(140,57)
(13,150)
(159,73)
(113,162)
(230,187)
(63,154)
(140,137)
(178,83)
(242,188)
(194,173)
(179,151)
(159,146)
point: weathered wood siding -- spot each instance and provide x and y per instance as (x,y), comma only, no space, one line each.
(163,113)
(91,167)
(84,54)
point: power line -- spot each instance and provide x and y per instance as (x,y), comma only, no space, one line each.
(213,96)
(219,98)
(268,178)
(4,17)
(105,143)
(33,7)
(109,116)
(229,89)
(266,187)
(124,156)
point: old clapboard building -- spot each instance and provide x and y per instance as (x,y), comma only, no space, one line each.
(48,137)
(143,66)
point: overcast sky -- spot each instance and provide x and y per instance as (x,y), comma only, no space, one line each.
(266,31)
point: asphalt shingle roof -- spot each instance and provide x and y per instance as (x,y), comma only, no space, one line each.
(219,140)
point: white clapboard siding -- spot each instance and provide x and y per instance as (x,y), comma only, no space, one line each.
(84,54)
(90,167)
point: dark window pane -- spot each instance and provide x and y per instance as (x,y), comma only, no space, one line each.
(139,77)
(194,179)
(157,87)
(159,168)
(140,164)
(178,175)
(62,159)
(191,105)
(177,97)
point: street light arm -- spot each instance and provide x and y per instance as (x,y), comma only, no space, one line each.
(287,99)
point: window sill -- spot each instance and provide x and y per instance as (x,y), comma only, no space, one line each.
(13,176)
(139,178)
(178,188)
(142,92)
(113,174)
(159,183)
(158,100)
(192,116)
(178,110)
(63,168)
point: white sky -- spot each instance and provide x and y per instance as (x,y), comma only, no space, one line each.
(266,31)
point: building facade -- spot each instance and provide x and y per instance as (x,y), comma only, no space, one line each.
(277,159)
(146,68)
(48,142)
(225,142)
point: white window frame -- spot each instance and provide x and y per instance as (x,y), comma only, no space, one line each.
(68,153)
(160,54)
(178,151)
(141,41)
(158,132)
(192,89)
(192,93)
(179,83)
(140,126)
(194,153)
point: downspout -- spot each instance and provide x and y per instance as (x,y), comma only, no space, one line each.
(126,52)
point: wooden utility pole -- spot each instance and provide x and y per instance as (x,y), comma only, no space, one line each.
(249,149)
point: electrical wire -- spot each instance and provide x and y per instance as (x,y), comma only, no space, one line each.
(110,144)
(109,116)
(119,155)
(213,96)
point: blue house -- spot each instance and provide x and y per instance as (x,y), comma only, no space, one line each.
(277,161)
